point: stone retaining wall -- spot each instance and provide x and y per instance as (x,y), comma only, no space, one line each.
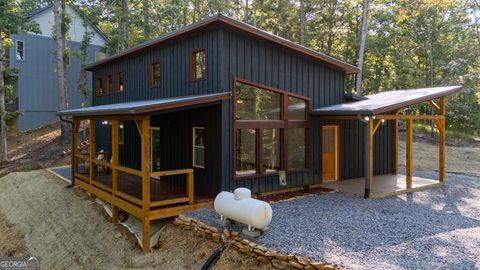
(262,254)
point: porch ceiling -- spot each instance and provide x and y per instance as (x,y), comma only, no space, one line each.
(145,106)
(387,101)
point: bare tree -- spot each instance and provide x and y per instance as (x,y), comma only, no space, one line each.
(363,39)
(58,10)
(245,14)
(302,23)
(146,20)
(255,13)
(125,22)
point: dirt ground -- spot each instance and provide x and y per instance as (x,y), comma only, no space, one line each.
(461,158)
(40,216)
(35,149)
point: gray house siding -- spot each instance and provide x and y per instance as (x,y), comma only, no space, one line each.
(36,86)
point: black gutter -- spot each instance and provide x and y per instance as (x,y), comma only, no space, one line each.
(72,180)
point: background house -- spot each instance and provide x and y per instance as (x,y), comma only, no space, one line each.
(35,91)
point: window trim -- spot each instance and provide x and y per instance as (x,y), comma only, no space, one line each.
(99,87)
(16,49)
(192,65)
(151,81)
(117,82)
(108,84)
(195,146)
(283,124)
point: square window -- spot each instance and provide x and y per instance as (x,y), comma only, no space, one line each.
(198,65)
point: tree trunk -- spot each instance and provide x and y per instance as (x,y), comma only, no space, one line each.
(125,23)
(59,60)
(302,23)
(245,14)
(195,10)
(146,20)
(361,54)
(255,13)
(3,112)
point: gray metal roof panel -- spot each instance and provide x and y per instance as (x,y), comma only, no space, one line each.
(387,101)
(136,107)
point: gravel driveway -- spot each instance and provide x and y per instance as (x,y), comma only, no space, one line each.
(437,228)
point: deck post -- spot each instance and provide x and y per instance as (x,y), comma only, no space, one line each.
(115,135)
(395,145)
(145,136)
(190,187)
(91,140)
(75,146)
(441,141)
(368,159)
(409,148)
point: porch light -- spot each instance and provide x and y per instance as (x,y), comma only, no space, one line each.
(105,122)
(383,121)
(367,118)
(121,125)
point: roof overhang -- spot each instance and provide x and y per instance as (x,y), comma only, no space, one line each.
(146,106)
(388,101)
(235,25)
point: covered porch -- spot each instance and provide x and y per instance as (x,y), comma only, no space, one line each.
(375,110)
(135,184)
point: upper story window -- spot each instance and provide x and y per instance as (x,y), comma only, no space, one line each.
(198,65)
(108,85)
(99,87)
(20,50)
(254,103)
(119,82)
(154,74)
(271,130)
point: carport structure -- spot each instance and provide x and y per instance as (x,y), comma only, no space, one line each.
(373,111)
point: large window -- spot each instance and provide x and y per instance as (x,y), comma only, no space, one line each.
(198,65)
(199,147)
(20,50)
(271,130)
(154,74)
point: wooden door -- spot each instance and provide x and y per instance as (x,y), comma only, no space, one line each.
(329,152)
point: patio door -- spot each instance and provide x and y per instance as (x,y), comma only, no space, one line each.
(329,152)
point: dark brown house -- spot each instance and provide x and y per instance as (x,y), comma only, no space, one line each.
(220,104)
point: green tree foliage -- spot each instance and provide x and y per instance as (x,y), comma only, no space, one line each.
(410,43)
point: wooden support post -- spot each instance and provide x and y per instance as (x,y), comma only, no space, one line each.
(409,149)
(115,135)
(368,159)
(91,140)
(75,145)
(441,141)
(395,145)
(145,135)
(190,187)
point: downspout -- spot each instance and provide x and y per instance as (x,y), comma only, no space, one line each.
(72,181)
(213,257)
(366,158)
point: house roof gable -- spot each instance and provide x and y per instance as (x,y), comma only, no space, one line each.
(237,26)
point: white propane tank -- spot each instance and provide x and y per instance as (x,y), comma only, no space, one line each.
(240,207)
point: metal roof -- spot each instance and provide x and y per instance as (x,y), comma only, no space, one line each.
(145,106)
(387,101)
(238,26)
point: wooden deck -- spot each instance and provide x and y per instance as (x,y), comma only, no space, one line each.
(385,185)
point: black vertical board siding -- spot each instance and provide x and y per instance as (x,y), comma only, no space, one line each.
(231,54)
